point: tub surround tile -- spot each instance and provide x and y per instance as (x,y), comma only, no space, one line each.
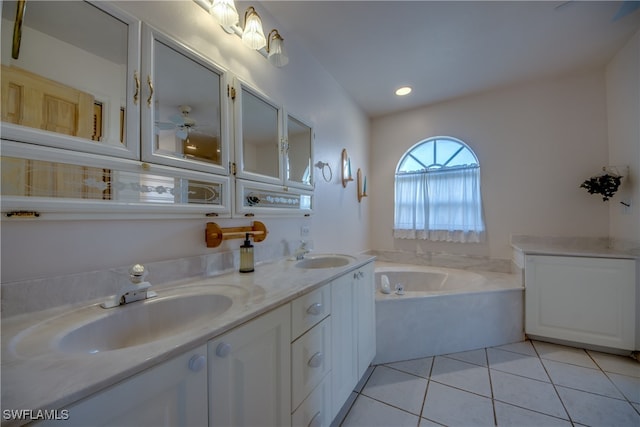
(438,259)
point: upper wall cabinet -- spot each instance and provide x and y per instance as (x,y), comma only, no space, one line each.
(184,107)
(70,76)
(270,146)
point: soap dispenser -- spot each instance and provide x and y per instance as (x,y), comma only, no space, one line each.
(246,256)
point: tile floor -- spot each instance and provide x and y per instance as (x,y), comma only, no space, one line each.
(530,383)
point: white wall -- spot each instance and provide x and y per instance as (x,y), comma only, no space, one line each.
(41,248)
(536,144)
(623,111)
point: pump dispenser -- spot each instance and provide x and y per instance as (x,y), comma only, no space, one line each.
(246,256)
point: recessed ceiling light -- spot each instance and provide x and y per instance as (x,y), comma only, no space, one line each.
(405,90)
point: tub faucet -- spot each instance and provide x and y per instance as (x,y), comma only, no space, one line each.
(135,289)
(301,251)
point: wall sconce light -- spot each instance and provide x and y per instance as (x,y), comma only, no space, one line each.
(275,49)
(225,12)
(252,35)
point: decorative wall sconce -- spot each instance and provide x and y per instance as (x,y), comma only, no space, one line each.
(362,187)
(346,168)
(252,35)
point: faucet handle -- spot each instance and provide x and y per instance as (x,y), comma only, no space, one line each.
(137,273)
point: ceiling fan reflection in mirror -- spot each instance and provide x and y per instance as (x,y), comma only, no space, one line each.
(181,122)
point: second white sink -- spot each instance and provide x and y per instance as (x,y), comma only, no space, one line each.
(325,261)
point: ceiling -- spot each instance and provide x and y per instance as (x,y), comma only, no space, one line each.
(450,49)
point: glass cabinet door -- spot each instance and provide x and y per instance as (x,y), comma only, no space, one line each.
(184,107)
(259,141)
(298,159)
(69,76)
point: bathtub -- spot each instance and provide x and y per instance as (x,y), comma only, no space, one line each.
(445,310)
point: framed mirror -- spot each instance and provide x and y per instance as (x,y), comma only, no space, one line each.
(184,107)
(69,72)
(258,136)
(299,149)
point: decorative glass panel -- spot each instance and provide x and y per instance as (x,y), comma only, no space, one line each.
(275,199)
(37,178)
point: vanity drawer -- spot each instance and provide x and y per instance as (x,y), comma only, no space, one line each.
(309,309)
(315,411)
(310,361)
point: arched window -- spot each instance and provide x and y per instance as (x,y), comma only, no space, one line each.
(437,192)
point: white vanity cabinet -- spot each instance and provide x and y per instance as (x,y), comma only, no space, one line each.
(353,331)
(582,300)
(311,359)
(173,393)
(250,374)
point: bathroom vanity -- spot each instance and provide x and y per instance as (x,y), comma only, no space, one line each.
(286,346)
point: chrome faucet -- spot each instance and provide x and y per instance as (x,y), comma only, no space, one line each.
(135,289)
(301,251)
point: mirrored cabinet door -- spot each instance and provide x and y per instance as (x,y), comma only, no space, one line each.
(298,154)
(69,76)
(184,107)
(259,141)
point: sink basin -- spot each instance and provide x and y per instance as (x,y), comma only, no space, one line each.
(93,329)
(325,261)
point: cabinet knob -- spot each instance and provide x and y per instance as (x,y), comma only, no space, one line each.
(315,309)
(316,360)
(223,349)
(316,421)
(197,362)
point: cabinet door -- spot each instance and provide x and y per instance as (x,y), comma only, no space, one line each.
(171,394)
(344,350)
(184,107)
(584,300)
(366,325)
(65,87)
(298,153)
(250,373)
(259,140)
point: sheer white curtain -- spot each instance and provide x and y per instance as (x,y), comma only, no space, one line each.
(444,205)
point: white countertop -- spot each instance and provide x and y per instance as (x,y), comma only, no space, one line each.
(55,380)
(552,248)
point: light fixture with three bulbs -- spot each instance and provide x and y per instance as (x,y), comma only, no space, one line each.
(252,35)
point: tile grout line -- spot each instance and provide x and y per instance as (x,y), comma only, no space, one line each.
(426,390)
(553,385)
(612,382)
(493,400)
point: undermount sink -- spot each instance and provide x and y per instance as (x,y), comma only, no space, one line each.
(94,329)
(325,261)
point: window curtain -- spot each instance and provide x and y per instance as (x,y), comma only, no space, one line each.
(444,205)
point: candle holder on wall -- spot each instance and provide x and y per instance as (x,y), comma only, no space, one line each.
(346,168)
(362,185)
